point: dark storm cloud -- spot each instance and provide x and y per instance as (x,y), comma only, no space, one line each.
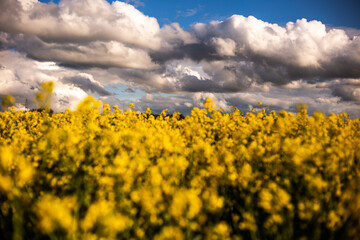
(193,84)
(91,54)
(87,84)
(347,92)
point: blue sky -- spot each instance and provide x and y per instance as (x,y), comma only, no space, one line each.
(175,54)
(338,13)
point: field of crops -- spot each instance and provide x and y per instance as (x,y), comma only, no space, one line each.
(211,175)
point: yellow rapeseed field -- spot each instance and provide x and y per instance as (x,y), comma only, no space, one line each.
(126,175)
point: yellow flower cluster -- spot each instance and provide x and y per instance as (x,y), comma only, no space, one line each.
(117,174)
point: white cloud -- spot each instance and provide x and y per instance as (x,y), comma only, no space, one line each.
(84,20)
(301,44)
(22,77)
(224,47)
(172,35)
(188,104)
(27,4)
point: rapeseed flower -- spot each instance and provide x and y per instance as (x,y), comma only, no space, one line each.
(120,174)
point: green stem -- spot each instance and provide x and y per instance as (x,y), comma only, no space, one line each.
(17,220)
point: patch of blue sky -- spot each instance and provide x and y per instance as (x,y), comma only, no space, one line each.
(123,92)
(343,13)
(47,1)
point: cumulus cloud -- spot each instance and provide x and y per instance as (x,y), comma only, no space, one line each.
(224,47)
(80,21)
(86,32)
(301,50)
(242,52)
(21,77)
(85,45)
